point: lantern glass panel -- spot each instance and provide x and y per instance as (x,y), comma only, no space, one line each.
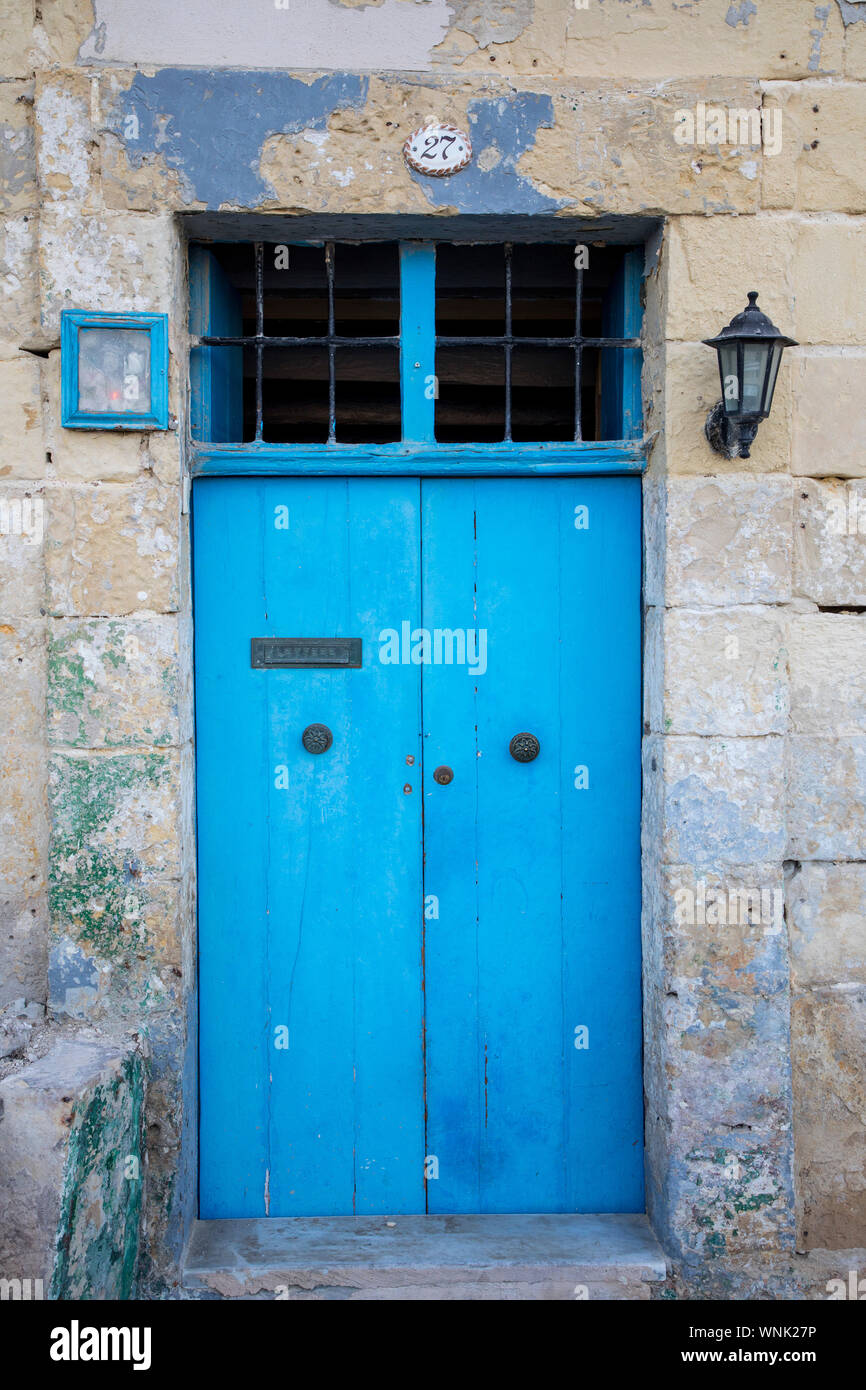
(114,371)
(730,378)
(754,372)
(774,372)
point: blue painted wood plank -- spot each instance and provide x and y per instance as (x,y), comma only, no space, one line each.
(216,373)
(418,339)
(632,403)
(231,735)
(453,460)
(524,948)
(322,924)
(601,878)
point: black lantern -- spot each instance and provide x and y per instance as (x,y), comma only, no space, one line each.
(750,351)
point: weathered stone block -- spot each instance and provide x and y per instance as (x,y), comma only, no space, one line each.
(822,163)
(128,964)
(23,812)
(827,925)
(828,429)
(828,1030)
(692,389)
(162,454)
(708,261)
(713,801)
(67,151)
(728,540)
(716,673)
(774,39)
(71,1154)
(616,145)
(19,284)
(826,798)
(114,683)
(828,674)
(22,564)
(827,261)
(114,826)
(110,456)
(855,50)
(22,452)
(112,549)
(18,190)
(114,893)
(16,26)
(830,542)
(115,261)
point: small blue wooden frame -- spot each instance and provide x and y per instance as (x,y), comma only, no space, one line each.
(71,417)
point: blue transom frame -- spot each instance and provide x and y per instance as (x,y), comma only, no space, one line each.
(215,427)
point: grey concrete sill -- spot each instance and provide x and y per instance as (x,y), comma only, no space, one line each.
(425,1257)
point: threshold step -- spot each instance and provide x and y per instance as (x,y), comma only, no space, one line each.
(524,1256)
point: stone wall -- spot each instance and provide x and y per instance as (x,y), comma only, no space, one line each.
(755,746)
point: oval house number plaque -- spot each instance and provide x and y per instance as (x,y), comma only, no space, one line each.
(438,150)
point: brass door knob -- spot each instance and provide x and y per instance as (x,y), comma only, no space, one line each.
(317,738)
(524,748)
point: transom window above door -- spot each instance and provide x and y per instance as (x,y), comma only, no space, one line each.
(414,343)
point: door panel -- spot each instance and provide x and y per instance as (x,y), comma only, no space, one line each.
(309,892)
(537,881)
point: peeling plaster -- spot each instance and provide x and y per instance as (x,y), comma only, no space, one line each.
(509,127)
(822,14)
(741,14)
(852,11)
(210,126)
(493,21)
(16,162)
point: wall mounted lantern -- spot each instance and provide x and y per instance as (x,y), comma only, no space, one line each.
(750,351)
(114,371)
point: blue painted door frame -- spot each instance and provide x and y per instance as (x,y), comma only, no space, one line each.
(415,995)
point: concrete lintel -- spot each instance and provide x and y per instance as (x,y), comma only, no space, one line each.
(522,1256)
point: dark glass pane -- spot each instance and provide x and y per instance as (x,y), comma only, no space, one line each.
(295,292)
(470,291)
(368,395)
(543,280)
(367,290)
(294,395)
(542,393)
(471,403)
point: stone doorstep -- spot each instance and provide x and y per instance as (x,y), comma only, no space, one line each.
(513,1257)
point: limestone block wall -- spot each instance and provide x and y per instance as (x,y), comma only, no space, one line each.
(111,131)
(72,1157)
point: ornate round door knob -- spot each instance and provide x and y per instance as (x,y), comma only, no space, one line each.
(443,775)
(317,738)
(524,748)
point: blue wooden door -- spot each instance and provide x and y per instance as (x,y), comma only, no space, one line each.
(419,993)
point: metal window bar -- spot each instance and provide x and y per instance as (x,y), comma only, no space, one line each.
(508,342)
(332,340)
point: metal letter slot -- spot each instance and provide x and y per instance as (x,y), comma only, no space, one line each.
(310,652)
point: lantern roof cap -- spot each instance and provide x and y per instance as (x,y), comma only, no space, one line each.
(751,324)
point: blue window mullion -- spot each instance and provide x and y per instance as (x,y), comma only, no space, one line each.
(418,340)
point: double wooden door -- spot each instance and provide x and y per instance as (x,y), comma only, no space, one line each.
(418,725)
